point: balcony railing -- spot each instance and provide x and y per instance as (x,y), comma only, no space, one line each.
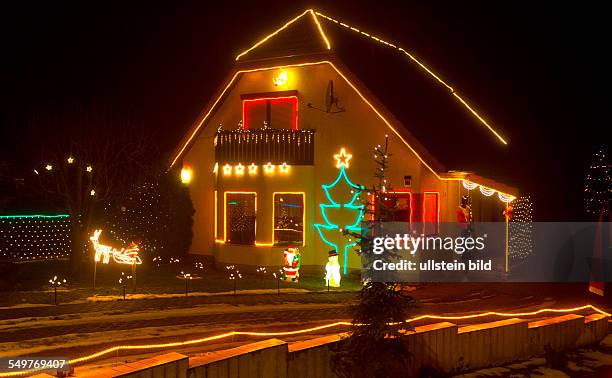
(260,146)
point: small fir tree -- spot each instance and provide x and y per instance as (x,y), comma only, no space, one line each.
(376,345)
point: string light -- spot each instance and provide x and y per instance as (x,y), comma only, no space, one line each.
(34,237)
(239,169)
(487,192)
(520,244)
(238,73)
(89,168)
(49,167)
(426,69)
(284,168)
(269,168)
(469,185)
(252,169)
(225,335)
(123,256)
(70,160)
(92,192)
(505,197)
(227,169)
(285,26)
(216,168)
(342,158)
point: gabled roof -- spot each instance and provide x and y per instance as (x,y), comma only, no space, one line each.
(437,124)
(302,35)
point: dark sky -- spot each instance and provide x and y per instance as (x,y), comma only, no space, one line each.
(539,72)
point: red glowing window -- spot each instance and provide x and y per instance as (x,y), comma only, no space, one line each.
(278,111)
(431,212)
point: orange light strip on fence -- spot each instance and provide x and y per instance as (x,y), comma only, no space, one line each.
(197,128)
(302,331)
(426,69)
(284,27)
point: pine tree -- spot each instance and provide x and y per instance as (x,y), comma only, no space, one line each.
(376,345)
(598,184)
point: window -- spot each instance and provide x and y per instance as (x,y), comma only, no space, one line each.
(240,214)
(288,219)
(278,111)
(397,205)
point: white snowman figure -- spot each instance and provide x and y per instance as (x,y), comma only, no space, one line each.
(332,270)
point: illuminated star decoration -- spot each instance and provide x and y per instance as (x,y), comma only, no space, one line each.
(342,159)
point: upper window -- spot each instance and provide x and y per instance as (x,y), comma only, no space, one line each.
(240,214)
(289,219)
(277,110)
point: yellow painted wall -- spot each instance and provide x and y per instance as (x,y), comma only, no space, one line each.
(358,129)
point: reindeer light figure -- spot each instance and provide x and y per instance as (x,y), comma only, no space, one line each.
(124,256)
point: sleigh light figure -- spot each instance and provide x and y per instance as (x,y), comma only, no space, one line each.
(127,255)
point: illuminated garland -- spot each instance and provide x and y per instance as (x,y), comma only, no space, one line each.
(506,198)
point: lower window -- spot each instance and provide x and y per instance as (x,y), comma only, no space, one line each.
(289,219)
(240,210)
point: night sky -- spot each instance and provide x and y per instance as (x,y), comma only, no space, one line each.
(539,74)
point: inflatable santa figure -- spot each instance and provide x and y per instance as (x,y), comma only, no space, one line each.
(332,269)
(292,261)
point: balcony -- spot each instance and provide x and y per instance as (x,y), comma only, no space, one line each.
(260,146)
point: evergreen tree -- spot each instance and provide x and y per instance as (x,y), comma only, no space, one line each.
(376,345)
(598,184)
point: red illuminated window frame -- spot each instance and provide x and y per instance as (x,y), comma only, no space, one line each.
(288,97)
(397,191)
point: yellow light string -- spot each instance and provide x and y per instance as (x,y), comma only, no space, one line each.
(284,27)
(425,68)
(305,330)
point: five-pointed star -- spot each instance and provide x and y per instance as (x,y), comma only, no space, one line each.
(342,159)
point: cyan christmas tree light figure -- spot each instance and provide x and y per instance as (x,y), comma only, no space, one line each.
(327,230)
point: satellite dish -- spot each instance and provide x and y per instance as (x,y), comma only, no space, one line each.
(329,96)
(331,101)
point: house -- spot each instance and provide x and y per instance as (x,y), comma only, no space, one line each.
(281,152)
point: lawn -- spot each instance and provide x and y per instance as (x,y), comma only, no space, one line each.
(27,283)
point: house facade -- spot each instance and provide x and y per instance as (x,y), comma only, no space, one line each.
(284,153)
